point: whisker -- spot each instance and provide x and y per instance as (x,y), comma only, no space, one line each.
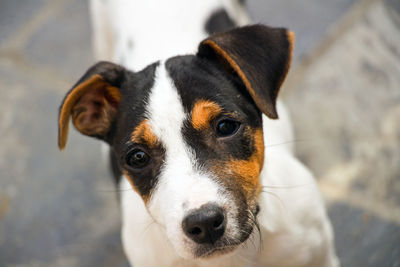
(286,186)
(290,142)
(253,218)
(147,227)
(259,232)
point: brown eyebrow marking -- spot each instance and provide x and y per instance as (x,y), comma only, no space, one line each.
(143,134)
(203,112)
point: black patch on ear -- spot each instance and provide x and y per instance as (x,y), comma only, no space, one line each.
(258,54)
(219,21)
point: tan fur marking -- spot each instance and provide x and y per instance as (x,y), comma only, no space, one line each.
(65,113)
(291,39)
(143,132)
(114,93)
(111,98)
(203,112)
(85,109)
(247,172)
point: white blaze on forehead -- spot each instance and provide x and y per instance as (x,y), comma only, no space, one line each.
(166,116)
(165,112)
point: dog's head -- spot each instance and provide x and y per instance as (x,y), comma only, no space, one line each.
(187,132)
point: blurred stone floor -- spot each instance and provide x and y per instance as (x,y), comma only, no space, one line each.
(60,209)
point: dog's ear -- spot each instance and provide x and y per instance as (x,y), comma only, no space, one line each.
(259,55)
(92,102)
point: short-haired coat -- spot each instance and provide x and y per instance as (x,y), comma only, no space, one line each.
(190,121)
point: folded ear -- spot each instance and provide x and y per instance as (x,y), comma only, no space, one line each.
(259,55)
(92,102)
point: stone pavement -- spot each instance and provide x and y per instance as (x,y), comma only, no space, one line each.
(345,101)
(60,209)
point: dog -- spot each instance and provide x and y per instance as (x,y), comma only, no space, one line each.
(191,133)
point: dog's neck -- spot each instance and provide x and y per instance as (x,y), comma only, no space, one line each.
(149,34)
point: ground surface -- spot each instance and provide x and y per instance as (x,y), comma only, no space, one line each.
(60,209)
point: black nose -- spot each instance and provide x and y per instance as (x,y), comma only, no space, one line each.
(205,225)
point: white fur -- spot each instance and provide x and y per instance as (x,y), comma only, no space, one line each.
(294,226)
(282,136)
(154,28)
(157,26)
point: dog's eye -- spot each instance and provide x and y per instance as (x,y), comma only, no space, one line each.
(227,127)
(137,159)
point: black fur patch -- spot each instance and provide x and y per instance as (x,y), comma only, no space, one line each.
(219,21)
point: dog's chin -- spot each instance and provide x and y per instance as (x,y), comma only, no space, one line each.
(226,246)
(222,248)
(219,249)
(210,253)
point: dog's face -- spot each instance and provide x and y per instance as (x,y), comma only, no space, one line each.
(187,132)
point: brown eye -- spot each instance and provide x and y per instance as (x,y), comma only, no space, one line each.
(137,159)
(227,127)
